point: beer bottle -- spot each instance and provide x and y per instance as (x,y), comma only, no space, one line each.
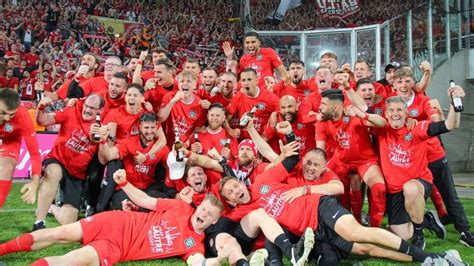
(96,137)
(177,147)
(246,118)
(457,102)
(196,140)
(227,143)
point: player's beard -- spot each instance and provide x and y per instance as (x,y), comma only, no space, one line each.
(292,118)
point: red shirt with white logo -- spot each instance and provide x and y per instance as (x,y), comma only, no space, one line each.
(217,140)
(141,175)
(155,96)
(73,147)
(265,101)
(184,117)
(267,192)
(351,135)
(296,178)
(299,91)
(127,124)
(403,155)
(264,62)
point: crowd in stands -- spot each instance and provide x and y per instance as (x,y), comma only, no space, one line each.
(307,16)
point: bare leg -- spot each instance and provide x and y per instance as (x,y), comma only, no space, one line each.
(228,242)
(47,191)
(259,219)
(413,192)
(67,214)
(63,234)
(7,167)
(375,251)
(86,255)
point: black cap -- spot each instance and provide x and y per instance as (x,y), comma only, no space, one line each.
(394,64)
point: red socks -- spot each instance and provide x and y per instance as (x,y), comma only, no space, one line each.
(356,204)
(438,202)
(21,243)
(4,190)
(377,204)
(40,262)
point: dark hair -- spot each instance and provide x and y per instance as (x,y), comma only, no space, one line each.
(10,98)
(362,61)
(159,50)
(121,75)
(333,94)
(296,62)
(148,117)
(216,105)
(249,69)
(363,81)
(252,34)
(210,69)
(138,87)
(323,67)
(167,63)
(96,59)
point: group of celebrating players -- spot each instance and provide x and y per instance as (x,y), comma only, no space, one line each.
(197,165)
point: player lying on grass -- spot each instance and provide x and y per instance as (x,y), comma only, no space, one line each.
(173,228)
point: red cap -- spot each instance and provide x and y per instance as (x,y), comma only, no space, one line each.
(249,143)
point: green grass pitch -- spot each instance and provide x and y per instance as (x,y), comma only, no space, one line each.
(17,217)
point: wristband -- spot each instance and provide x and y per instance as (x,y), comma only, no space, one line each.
(147,156)
(188,154)
(41,107)
(103,141)
(366,117)
(121,185)
(139,62)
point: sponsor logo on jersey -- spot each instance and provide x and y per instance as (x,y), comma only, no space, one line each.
(8,128)
(223,142)
(189,242)
(259,57)
(299,126)
(408,137)
(346,119)
(264,189)
(306,92)
(414,112)
(192,114)
(261,106)
(378,111)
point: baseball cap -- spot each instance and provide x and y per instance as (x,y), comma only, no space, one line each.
(394,64)
(176,168)
(249,143)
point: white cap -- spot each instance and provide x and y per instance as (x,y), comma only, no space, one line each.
(176,168)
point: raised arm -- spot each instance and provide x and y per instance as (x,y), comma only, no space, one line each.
(137,196)
(43,118)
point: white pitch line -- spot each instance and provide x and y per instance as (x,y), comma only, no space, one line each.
(17,210)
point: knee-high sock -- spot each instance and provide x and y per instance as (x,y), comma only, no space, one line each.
(346,198)
(356,204)
(438,202)
(40,262)
(5,187)
(377,206)
(21,243)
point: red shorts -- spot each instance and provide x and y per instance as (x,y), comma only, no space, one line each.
(343,169)
(105,239)
(11,149)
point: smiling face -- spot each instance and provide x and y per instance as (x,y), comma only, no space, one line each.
(252,45)
(367,92)
(361,70)
(235,192)
(192,67)
(187,84)
(205,215)
(197,179)
(404,87)
(248,81)
(89,60)
(91,108)
(324,79)
(296,72)
(215,118)
(245,155)
(328,109)
(163,74)
(116,88)
(209,78)
(396,113)
(147,131)
(313,165)
(133,100)
(288,108)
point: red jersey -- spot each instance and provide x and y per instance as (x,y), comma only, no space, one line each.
(148,74)
(141,175)
(420,110)
(299,91)
(127,124)
(95,85)
(184,117)
(297,179)
(163,233)
(264,62)
(73,147)
(31,58)
(304,133)
(9,83)
(267,192)
(62,91)
(11,132)
(155,96)
(310,103)
(247,174)
(28,93)
(217,140)
(403,155)
(266,103)
(111,104)
(351,135)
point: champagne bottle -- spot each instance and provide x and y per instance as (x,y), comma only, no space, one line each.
(457,102)
(246,118)
(96,137)
(196,140)
(177,147)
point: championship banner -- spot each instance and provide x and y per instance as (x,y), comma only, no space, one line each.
(23,167)
(337,8)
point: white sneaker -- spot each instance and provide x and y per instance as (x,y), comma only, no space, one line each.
(258,258)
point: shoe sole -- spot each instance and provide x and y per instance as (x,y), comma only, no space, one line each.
(455,254)
(465,243)
(439,224)
(308,246)
(258,258)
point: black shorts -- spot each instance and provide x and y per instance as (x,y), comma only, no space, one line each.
(396,212)
(71,187)
(329,211)
(226,225)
